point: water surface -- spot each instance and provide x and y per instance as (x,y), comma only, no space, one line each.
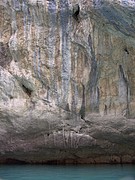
(48,172)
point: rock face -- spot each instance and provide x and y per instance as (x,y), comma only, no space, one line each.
(67,81)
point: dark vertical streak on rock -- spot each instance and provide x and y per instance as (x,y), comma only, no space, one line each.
(124,92)
(105,110)
(39,61)
(64,19)
(122,74)
(82,110)
(48,93)
(52,40)
(73,105)
(5,56)
(36,62)
(76,11)
(93,79)
(52,12)
(25,13)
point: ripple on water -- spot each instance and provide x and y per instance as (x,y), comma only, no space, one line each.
(79,172)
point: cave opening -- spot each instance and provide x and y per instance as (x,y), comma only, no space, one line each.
(27,90)
(76,11)
(126,50)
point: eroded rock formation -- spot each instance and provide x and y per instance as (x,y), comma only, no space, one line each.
(67,81)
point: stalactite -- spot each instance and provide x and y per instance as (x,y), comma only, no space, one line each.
(13,23)
(105,110)
(52,42)
(48,94)
(38,62)
(36,28)
(82,110)
(25,12)
(27,20)
(124,92)
(93,80)
(34,59)
(74,98)
(13,39)
(37,51)
(65,42)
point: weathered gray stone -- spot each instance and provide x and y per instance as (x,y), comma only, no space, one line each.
(67,81)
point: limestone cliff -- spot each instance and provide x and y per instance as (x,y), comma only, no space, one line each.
(67,81)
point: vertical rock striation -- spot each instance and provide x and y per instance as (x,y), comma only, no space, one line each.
(67,81)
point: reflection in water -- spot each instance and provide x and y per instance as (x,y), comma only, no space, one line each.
(78,172)
(127,178)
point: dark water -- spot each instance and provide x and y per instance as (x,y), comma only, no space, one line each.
(44,172)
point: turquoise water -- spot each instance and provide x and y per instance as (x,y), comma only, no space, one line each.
(44,172)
